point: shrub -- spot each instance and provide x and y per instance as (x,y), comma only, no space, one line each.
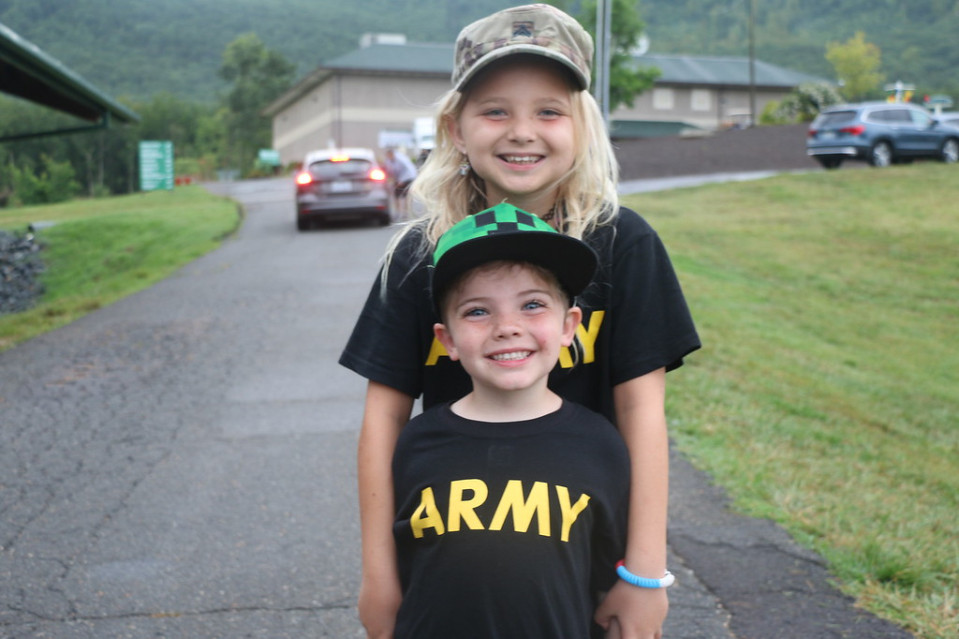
(771,115)
(56,182)
(805,102)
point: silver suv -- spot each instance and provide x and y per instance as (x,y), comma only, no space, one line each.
(879,133)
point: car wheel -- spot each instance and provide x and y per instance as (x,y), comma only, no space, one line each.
(880,155)
(830,162)
(950,151)
(302,224)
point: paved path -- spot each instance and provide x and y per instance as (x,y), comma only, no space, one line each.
(181,464)
(677,182)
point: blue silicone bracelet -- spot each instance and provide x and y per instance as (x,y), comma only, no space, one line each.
(644,582)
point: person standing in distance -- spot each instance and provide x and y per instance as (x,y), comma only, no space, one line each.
(402,172)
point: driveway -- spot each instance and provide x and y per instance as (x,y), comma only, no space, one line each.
(182,463)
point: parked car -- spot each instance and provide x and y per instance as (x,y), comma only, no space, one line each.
(879,133)
(949,118)
(341,184)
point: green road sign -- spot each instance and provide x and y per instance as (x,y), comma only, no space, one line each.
(268,157)
(156,165)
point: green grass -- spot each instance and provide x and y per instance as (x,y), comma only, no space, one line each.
(101,250)
(827,393)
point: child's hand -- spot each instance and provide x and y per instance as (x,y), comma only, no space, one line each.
(378,604)
(613,632)
(629,612)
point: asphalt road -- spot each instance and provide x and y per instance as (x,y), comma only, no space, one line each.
(181,464)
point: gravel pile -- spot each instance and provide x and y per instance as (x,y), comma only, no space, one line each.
(20,267)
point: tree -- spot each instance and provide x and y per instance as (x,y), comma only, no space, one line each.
(803,104)
(32,156)
(626,79)
(258,76)
(856,63)
(54,183)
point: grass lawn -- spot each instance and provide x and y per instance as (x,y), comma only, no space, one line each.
(827,393)
(101,250)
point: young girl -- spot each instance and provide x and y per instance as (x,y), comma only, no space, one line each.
(520,126)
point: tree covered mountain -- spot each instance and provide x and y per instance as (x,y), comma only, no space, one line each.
(138,48)
(918,38)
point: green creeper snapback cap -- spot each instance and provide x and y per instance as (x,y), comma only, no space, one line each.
(538,29)
(505,232)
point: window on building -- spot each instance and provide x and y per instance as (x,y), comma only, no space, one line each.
(663,99)
(701,100)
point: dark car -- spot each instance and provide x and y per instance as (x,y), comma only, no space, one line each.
(341,185)
(879,133)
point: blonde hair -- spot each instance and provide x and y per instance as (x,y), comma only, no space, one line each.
(586,194)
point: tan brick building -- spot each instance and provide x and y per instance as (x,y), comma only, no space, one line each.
(372,95)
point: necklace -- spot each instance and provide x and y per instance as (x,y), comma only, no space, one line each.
(549,215)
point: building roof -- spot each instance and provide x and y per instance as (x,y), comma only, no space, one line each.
(722,71)
(409,58)
(437,60)
(29,73)
(378,58)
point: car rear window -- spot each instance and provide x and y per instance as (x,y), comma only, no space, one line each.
(327,170)
(836,119)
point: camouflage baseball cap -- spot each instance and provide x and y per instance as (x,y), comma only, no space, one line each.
(505,232)
(538,29)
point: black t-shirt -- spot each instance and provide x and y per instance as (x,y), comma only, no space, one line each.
(635,320)
(507,530)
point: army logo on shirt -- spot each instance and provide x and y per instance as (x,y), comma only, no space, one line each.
(461,509)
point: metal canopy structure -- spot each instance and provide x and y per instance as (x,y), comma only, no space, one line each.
(28,73)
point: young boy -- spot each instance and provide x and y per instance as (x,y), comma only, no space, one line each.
(511,502)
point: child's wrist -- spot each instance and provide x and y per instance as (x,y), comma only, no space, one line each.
(643,582)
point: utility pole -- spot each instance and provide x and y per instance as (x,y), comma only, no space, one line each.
(752,63)
(604,13)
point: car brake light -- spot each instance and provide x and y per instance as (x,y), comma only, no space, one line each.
(304,178)
(377,175)
(812,133)
(858,129)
